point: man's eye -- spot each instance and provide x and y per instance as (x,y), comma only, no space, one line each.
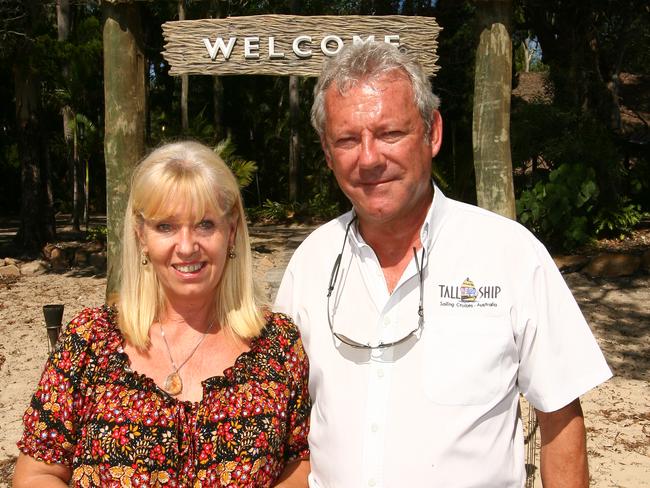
(393,135)
(346,142)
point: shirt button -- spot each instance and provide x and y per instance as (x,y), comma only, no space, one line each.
(380,373)
(386,321)
(372,482)
(374,427)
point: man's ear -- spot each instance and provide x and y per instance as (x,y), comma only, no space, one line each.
(435,137)
(326,152)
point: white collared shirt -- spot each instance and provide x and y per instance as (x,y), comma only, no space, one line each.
(440,409)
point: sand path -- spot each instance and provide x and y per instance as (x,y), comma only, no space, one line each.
(617,413)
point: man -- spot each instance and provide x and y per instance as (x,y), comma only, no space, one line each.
(423,317)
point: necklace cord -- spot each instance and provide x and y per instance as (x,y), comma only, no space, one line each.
(169,352)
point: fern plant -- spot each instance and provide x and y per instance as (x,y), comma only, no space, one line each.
(243,169)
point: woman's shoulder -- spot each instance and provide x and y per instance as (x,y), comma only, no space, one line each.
(93,327)
(281,340)
(280,324)
(93,319)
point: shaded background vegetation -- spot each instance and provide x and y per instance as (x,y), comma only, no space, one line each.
(579,117)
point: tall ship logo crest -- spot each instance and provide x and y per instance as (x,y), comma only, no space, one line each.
(468,291)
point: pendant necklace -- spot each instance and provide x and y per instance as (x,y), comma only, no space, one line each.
(173,383)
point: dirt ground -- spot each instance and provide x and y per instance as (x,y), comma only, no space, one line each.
(617,413)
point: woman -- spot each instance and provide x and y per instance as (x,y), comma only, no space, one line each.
(187,382)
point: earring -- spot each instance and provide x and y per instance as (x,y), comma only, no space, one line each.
(144,258)
(231,252)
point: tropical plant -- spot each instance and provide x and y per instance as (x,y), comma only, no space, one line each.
(558,210)
(243,169)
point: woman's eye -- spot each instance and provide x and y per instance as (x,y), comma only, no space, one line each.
(206,225)
(163,227)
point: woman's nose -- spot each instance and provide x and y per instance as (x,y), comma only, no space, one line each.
(187,243)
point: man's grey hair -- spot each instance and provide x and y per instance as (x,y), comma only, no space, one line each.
(365,61)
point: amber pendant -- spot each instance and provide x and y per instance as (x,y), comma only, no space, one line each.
(173,384)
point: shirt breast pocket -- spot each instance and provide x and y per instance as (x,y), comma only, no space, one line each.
(464,360)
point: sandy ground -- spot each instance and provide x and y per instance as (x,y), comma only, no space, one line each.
(617,413)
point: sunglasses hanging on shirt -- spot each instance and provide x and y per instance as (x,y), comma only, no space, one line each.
(380,345)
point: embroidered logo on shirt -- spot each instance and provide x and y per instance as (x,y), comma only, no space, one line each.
(467,295)
(467,291)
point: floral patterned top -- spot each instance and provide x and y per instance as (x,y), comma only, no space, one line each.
(115,427)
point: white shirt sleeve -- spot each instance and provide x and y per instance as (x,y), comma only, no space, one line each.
(284,299)
(559,357)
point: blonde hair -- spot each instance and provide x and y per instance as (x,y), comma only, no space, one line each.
(191,173)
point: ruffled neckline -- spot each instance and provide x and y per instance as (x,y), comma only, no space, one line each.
(239,372)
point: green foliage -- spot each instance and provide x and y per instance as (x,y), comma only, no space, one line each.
(244,170)
(586,45)
(558,210)
(98,233)
(319,208)
(552,144)
(620,220)
(271,211)
(322,206)
(524,42)
(201,127)
(9,156)
(578,188)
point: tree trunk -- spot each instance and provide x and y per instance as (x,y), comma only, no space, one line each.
(294,123)
(217,11)
(185,81)
(491,118)
(217,105)
(68,115)
(86,195)
(294,141)
(79,194)
(604,87)
(37,224)
(124,118)
(527,55)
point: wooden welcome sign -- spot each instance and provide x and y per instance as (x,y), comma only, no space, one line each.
(287,44)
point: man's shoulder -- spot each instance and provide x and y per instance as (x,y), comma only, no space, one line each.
(468,210)
(467,214)
(327,233)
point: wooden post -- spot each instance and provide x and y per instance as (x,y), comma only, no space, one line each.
(491,119)
(124,96)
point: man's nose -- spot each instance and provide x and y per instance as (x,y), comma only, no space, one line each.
(370,156)
(187,244)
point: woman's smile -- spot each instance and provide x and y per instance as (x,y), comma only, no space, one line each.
(189,268)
